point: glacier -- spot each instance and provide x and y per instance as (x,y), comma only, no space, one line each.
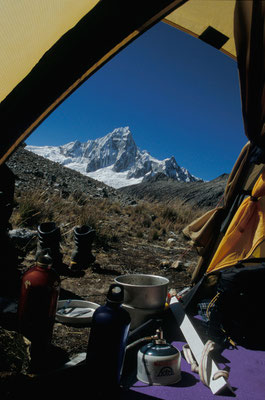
(113,159)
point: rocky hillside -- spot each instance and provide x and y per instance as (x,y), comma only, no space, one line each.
(36,172)
(163,189)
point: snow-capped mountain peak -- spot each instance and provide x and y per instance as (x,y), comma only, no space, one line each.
(113,159)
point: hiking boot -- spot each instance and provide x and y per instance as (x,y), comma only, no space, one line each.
(81,256)
(49,237)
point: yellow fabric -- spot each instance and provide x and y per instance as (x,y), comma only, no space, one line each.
(201,230)
(246,231)
(197,227)
(260,250)
(28,29)
(195,16)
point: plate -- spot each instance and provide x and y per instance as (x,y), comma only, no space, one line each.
(75,311)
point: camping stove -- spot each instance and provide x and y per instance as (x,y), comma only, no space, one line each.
(158,363)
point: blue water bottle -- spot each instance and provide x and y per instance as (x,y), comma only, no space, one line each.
(107,342)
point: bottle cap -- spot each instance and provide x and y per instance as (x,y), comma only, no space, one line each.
(44,258)
(115,293)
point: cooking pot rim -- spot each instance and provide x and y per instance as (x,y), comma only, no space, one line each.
(164,281)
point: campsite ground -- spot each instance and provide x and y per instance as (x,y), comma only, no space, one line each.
(115,255)
(126,257)
(170,255)
(132,235)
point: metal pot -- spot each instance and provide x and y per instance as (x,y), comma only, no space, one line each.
(141,315)
(144,291)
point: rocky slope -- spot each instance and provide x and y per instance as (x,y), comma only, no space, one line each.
(163,189)
(33,172)
(36,172)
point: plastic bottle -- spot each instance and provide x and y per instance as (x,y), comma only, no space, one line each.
(37,306)
(107,342)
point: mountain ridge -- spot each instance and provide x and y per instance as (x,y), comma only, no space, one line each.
(113,159)
(163,189)
(34,172)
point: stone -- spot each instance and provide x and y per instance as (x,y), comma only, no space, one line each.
(14,352)
(171,242)
(177,265)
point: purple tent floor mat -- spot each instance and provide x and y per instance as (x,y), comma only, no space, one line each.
(246,377)
(246,369)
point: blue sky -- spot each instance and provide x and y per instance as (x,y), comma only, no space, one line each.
(178,95)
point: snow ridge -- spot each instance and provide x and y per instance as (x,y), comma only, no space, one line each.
(113,159)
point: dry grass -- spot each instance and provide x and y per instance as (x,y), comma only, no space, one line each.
(112,222)
(159,219)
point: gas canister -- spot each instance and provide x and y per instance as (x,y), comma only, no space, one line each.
(158,362)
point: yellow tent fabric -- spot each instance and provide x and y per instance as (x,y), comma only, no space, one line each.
(209,20)
(202,230)
(49,48)
(249,36)
(29,29)
(245,232)
(205,231)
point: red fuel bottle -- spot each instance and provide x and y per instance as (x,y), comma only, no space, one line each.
(37,306)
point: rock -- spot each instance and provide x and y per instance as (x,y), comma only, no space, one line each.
(23,238)
(34,172)
(14,352)
(177,265)
(173,234)
(171,242)
(165,264)
(22,234)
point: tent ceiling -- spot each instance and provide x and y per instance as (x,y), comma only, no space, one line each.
(49,48)
(28,30)
(209,20)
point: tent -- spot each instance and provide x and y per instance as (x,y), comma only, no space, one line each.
(48,49)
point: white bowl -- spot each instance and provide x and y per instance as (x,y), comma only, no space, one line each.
(78,312)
